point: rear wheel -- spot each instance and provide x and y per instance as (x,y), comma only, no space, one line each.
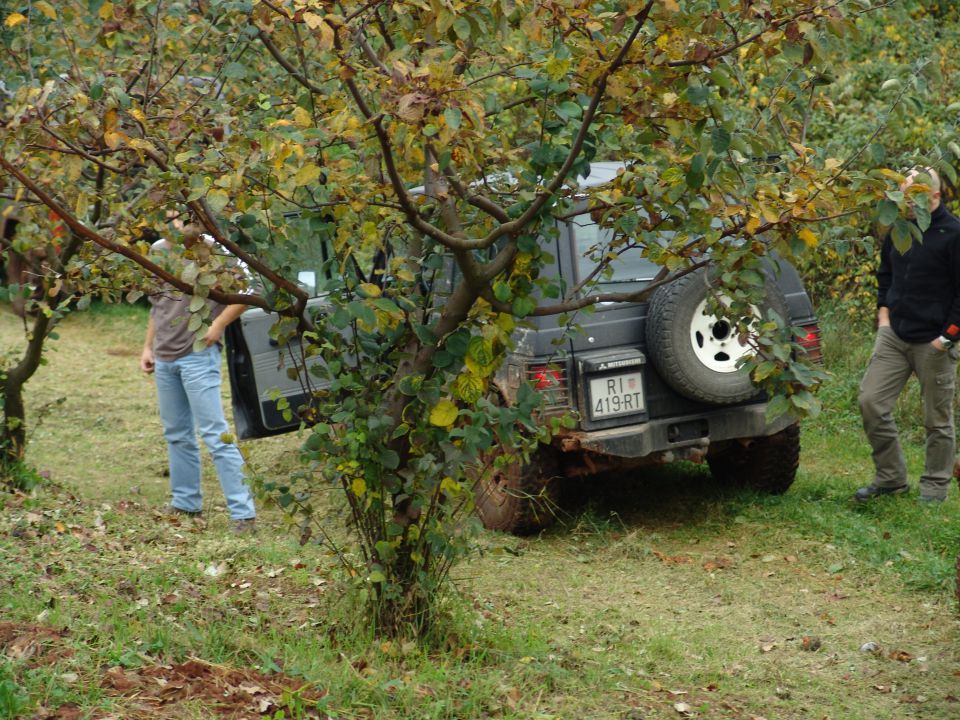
(520,498)
(766,464)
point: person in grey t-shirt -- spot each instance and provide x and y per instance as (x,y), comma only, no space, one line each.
(188,394)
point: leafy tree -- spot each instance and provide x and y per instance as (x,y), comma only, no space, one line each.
(895,77)
(401,138)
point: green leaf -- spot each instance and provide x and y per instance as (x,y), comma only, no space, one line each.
(461,26)
(720,139)
(453,117)
(217,199)
(197,302)
(695,176)
(480,351)
(569,109)
(887,212)
(234,71)
(362,312)
(698,94)
(902,235)
(778,405)
(389,459)
(523,306)
(387,305)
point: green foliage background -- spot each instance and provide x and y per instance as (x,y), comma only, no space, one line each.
(915,43)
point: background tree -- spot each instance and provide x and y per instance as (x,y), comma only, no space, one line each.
(282,127)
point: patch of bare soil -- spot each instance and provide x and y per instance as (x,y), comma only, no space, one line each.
(156,691)
(123,352)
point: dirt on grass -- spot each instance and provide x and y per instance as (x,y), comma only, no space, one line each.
(160,692)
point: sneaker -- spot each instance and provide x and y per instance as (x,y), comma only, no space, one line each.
(873,491)
(246,526)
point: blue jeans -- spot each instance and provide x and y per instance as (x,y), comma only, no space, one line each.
(188,392)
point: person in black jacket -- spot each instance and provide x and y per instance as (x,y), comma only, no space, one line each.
(918,322)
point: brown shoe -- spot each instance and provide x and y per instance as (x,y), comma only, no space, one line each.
(246,526)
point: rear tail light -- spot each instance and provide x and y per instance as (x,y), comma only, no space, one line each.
(552,382)
(809,340)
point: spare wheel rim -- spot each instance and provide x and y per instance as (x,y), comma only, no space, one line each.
(714,340)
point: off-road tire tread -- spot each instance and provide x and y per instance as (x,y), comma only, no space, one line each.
(768,464)
(531,506)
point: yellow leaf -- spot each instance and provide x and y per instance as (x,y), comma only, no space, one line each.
(138,144)
(443,414)
(370,290)
(358,486)
(307,175)
(895,176)
(73,166)
(312,20)
(106,11)
(137,114)
(14,19)
(769,214)
(808,237)
(46,8)
(113,139)
(110,121)
(752,224)
(302,118)
(469,387)
(449,486)
(671,6)
(325,37)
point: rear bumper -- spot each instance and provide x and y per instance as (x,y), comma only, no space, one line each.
(666,434)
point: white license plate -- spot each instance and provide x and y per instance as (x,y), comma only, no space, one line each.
(616,395)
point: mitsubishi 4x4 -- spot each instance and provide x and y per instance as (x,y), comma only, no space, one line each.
(649,383)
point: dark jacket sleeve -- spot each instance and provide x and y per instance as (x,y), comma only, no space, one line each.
(952,327)
(885,272)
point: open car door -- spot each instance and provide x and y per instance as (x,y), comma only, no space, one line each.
(267,381)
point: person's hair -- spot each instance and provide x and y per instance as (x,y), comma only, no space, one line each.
(935,183)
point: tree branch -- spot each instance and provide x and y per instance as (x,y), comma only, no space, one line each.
(82,231)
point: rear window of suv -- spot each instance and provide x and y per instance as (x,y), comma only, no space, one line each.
(631,271)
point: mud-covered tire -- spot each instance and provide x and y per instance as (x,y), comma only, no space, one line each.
(765,464)
(520,498)
(695,353)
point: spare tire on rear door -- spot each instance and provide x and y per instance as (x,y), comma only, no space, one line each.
(696,352)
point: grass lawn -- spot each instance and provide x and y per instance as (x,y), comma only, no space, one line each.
(656,596)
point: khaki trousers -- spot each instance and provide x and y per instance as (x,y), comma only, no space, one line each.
(890,367)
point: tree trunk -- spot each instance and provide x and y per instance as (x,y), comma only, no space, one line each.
(13,432)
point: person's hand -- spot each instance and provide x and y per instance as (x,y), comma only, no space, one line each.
(146,361)
(883,317)
(214,333)
(938,345)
